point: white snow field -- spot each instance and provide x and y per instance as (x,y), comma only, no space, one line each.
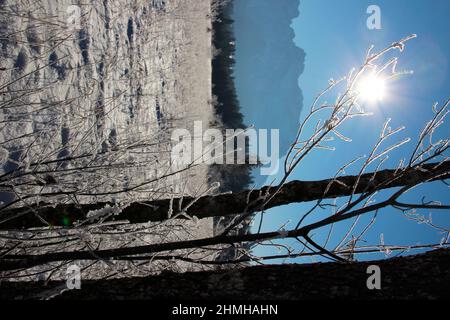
(90,91)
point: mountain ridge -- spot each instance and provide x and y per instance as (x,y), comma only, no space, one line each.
(268,65)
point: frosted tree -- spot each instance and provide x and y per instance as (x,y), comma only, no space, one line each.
(427,163)
(87,174)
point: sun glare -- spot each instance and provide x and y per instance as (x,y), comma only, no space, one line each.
(372,88)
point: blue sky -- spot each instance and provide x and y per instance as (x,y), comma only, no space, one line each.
(335,37)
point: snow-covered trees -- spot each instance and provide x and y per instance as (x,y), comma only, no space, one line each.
(87,175)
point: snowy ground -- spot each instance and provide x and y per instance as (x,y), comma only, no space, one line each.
(102,83)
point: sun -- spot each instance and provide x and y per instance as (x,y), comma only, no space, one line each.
(372,88)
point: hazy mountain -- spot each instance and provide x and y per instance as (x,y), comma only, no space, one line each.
(268,65)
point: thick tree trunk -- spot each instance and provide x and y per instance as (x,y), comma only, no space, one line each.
(227,204)
(424,276)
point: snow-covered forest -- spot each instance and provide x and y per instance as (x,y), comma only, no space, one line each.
(89,96)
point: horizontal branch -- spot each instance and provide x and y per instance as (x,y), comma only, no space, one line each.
(227,204)
(19,261)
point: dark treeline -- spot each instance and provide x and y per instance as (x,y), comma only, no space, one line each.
(233,178)
(226,103)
